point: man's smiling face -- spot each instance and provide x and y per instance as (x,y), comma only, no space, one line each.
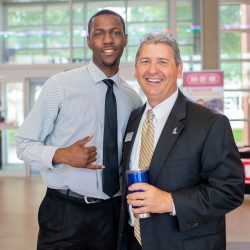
(107,41)
(156,72)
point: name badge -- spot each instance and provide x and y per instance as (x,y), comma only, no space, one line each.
(129,136)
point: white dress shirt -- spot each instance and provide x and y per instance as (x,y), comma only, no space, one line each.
(70,107)
(161,113)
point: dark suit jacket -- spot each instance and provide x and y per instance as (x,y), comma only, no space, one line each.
(196,159)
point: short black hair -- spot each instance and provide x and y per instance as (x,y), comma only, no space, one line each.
(105,12)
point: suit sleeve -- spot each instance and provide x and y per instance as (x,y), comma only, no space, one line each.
(221,186)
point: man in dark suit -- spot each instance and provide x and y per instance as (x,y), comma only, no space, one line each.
(195,172)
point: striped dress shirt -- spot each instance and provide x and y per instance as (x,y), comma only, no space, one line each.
(69,108)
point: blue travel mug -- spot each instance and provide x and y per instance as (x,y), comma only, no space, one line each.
(138,176)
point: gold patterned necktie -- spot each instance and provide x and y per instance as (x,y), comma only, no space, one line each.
(146,152)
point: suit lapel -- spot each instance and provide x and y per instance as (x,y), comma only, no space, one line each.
(170,133)
(132,127)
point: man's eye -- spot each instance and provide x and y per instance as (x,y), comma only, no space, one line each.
(116,33)
(98,34)
(144,61)
(163,62)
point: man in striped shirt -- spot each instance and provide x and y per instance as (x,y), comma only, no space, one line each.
(63,136)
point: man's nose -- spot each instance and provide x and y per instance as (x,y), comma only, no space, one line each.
(107,38)
(152,68)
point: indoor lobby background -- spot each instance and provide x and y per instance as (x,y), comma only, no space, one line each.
(41,38)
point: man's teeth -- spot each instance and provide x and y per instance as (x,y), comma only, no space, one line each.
(108,50)
(154,80)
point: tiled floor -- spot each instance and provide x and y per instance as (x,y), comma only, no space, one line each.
(20,199)
(19,202)
(238,227)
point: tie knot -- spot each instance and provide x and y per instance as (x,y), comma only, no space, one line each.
(150,114)
(108,82)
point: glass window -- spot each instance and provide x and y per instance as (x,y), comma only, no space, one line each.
(188,33)
(94,6)
(231,45)
(13,114)
(78,55)
(79,34)
(185,34)
(230,15)
(18,15)
(58,37)
(57,14)
(45,26)
(235,62)
(147,11)
(130,53)
(24,38)
(59,55)
(184,10)
(232,74)
(137,30)
(14,102)
(78,13)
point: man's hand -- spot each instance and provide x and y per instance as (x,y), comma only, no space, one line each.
(151,200)
(78,155)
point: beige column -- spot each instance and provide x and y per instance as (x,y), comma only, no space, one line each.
(210,34)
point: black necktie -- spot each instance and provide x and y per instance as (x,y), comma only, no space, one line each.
(110,177)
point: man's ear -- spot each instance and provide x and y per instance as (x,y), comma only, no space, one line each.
(89,42)
(126,40)
(180,69)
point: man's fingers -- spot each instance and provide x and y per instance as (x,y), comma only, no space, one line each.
(139,203)
(139,186)
(95,166)
(91,149)
(140,210)
(85,140)
(137,196)
(90,152)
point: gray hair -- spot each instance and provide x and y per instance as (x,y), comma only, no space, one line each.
(161,37)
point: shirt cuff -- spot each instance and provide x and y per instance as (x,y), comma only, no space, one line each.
(47,156)
(173,213)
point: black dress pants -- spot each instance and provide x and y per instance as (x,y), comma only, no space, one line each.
(69,225)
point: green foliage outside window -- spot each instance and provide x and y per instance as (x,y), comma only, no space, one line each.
(78,36)
(230,45)
(184,10)
(21,16)
(60,37)
(185,33)
(57,14)
(238,135)
(29,52)
(24,38)
(137,30)
(147,13)
(45,26)
(232,73)
(78,13)
(229,15)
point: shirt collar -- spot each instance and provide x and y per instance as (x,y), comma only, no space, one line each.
(98,75)
(163,108)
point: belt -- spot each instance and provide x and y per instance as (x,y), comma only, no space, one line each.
(68,194)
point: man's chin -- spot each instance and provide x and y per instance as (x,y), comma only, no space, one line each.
(110,64)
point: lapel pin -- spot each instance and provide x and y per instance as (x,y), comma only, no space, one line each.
(174,131)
